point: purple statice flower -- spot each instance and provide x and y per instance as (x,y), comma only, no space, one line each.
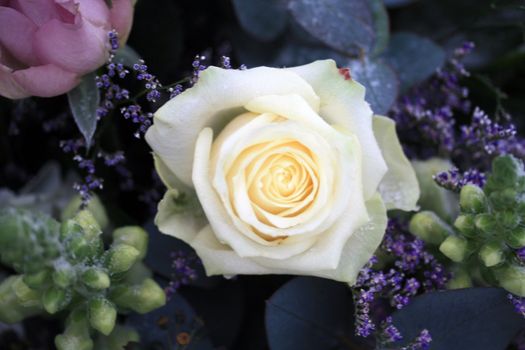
(135,113)
(412,270)
(113,40)
(454,179)
(184,270)
(389,332)
(226,62)
(151,83)
(518,303)
(198,67)
(422,342)
(175,90)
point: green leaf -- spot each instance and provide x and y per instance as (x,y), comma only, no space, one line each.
(381,26)
(344,25)
(83,101)
(380,82)
(264,19)
(127,56)
(310,314)
(413,57)
(473,318)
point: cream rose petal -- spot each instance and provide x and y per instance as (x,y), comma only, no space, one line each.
(221,221)
(218,96)
(399,187)
(220,259)
(343,103)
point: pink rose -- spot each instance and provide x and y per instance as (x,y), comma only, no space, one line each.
(47,45)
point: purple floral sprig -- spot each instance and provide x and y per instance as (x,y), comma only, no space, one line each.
(184,271)
(454,179)
(410,270)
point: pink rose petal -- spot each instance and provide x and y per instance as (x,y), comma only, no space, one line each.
(16,35)
(8,86)
(122,18)
(45,81)
(38,11)
(95,11)
(79,48)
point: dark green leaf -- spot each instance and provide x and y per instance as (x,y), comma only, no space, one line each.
(83,101)
(127,56)
(264,19)
(413,57)
(474,318)
(380,81)
(381,26)
(309,313)
(345,25)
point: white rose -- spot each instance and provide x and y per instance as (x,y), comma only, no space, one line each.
(291,168)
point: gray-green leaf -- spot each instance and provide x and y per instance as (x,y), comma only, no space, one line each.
(83,101)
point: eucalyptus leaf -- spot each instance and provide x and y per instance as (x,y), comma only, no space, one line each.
(164,327)
(344,25)
(473,318)
(264,19)
(126,56)
(380,81)
(414,58)
(310,314)
(83,101)
(381,26)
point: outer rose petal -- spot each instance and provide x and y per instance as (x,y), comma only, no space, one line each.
(95,11)
(217,97)
(399,188)
(45,81)
(121,16)
(343,103)
(79,48)
(219,259)
(8,86)
(16,35)
(38,11)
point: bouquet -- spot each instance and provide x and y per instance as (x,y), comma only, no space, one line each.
(248,174)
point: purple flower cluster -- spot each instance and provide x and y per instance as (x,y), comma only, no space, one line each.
(184,270)
(422,342)
(198,66)
(410,270)
(518,303)
(454,179)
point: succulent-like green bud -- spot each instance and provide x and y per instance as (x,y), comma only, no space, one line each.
(102,315)
(429,227)
(492,254)
(485,223)
(118,339)
(70,228)
(17,301)
(516,238)
(134,236)
(512,278)
(64,275)
(508,219)
(121,258)
(472,199)
(455,248)
(89,224)
(466,225)
(460,279)
(37,280)
(504,199)
(141,298)
(76,335)
(96,278)
(95,207)
(55,299)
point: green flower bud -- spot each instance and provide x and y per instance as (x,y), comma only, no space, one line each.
(64,274)
(70,228)
(38,279)
(121,257)
(485,223)
(516,238)
(95,207)
(76,336)
(505,199)
(134,236)
(466,225)
(455,248)
(508,219)
(56,299)
(472,199)
(17,301)
(492,254)
(26,296)
(429,227)
(81,247)
(10,227)
(512,278)
(102,315)
(460,279)
(141,298)
(118,339)
(88,223)
(96,278)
